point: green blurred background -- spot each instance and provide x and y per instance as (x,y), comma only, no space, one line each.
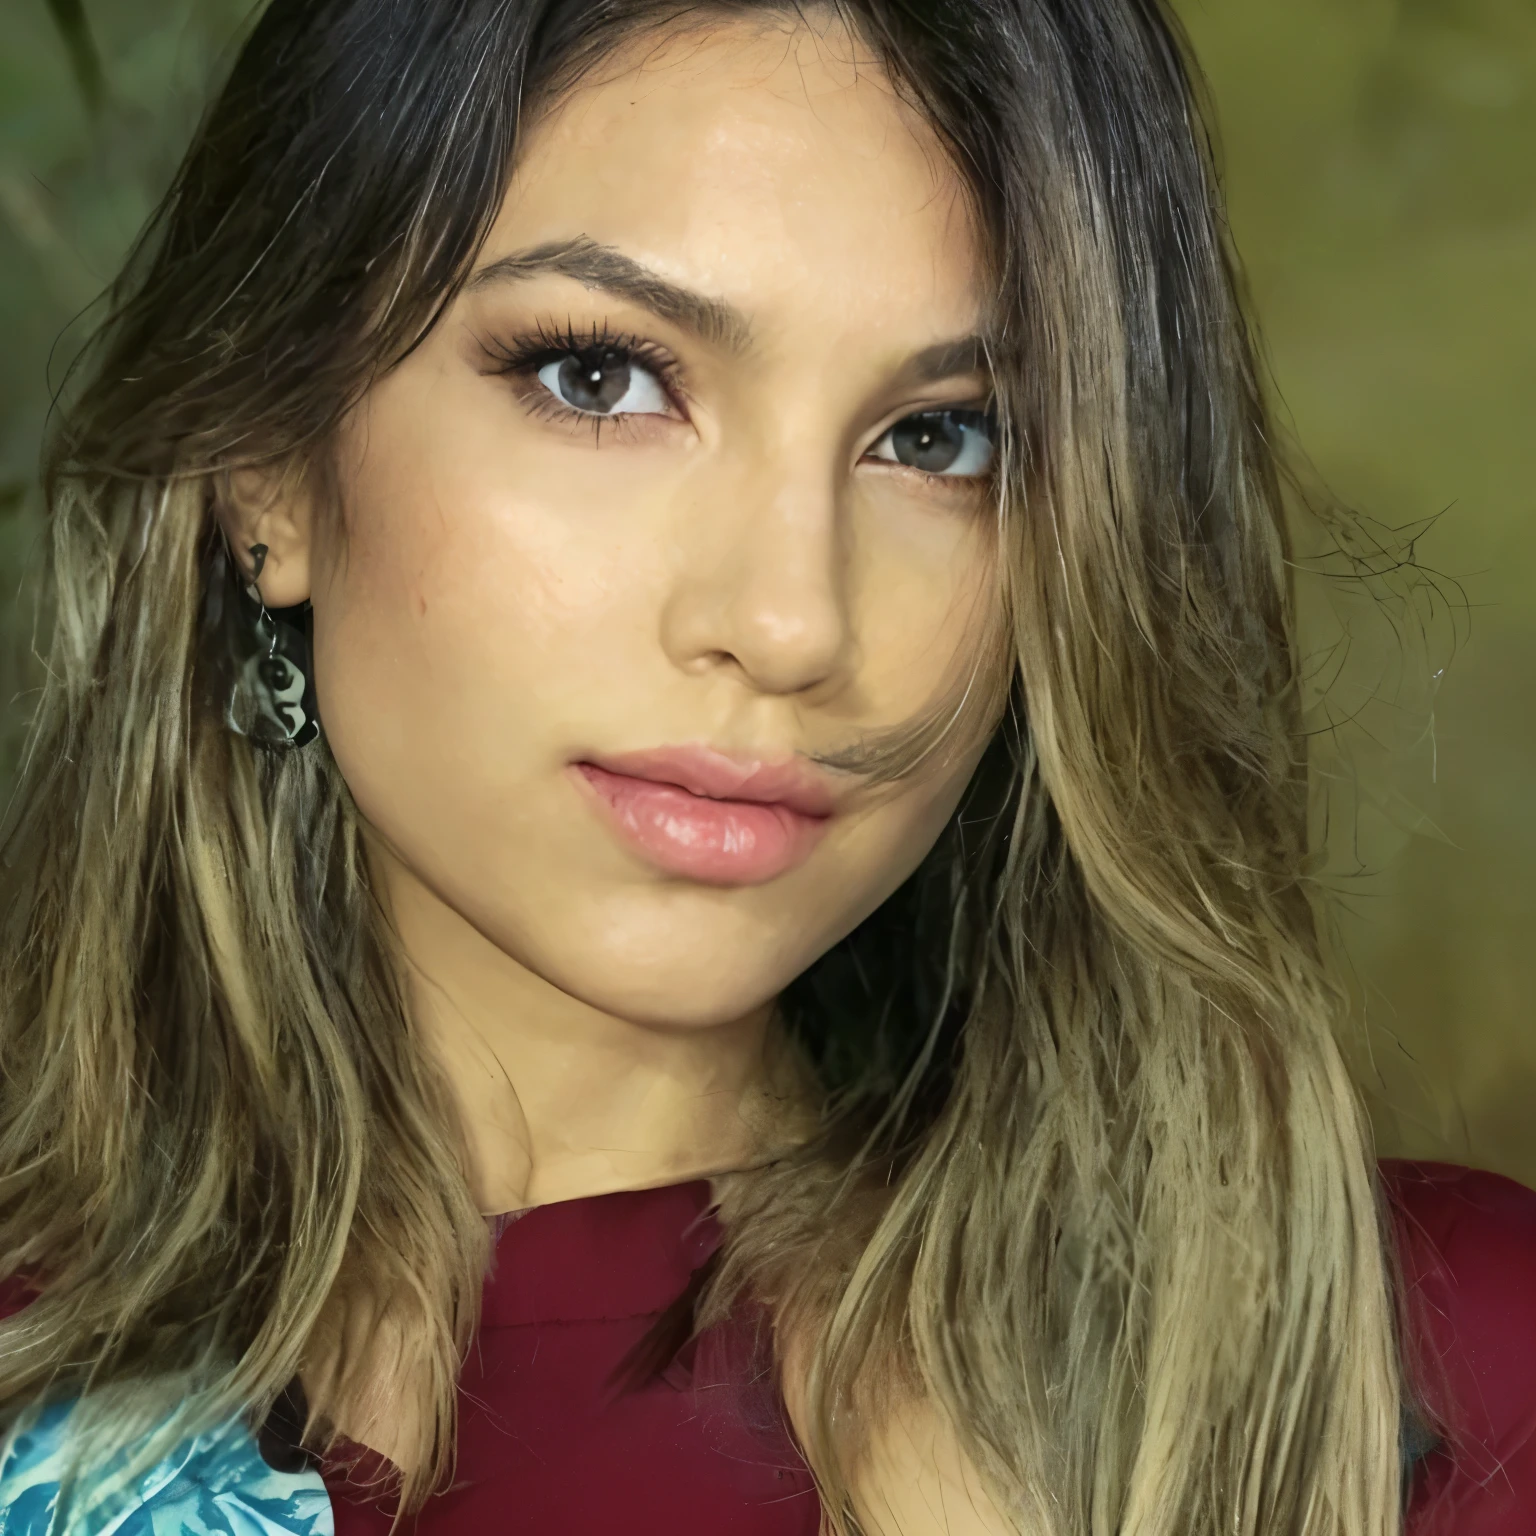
(1380,158)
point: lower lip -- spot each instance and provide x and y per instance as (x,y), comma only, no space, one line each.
(715,842)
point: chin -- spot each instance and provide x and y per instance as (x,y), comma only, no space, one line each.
(674,965)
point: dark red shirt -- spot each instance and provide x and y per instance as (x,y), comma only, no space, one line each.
(555,1433)
(565,1428)
(1466,1248)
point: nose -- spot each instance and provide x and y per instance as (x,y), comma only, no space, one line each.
(762,581)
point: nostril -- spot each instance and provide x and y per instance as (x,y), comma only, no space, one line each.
(777,615)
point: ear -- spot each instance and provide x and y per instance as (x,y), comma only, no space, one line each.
(272,506)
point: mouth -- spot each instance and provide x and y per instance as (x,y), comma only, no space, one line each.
(710,817)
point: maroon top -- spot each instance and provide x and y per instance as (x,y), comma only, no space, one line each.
(1466,1244)
(563,1430)
(555,1433)
(550,1443)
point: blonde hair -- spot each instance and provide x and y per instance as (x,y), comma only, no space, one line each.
(1092,1175)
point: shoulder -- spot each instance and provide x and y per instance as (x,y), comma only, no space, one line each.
(1466,1257)
(1464,1213)
(1466,1253)
(213,1485)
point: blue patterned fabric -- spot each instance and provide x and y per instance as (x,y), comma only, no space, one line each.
(216,1485)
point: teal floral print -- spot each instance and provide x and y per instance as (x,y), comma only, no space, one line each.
(215,1485)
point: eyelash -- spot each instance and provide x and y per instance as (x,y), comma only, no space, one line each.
(521,357)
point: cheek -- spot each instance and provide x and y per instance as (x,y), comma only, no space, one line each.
(925,596)
(468,591)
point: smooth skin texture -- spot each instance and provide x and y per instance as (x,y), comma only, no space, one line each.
(737,562)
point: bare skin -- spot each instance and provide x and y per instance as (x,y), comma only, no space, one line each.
(733,561)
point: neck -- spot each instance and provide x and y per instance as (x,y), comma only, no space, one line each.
(559,1100)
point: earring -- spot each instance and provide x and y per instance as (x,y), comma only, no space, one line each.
(262,666)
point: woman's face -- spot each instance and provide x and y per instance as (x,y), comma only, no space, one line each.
(689,484)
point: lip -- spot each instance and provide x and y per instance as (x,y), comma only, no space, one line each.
(710,816)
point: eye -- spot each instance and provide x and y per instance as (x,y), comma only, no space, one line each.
(604,381)
(957,443)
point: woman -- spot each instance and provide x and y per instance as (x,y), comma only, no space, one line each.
(673,623)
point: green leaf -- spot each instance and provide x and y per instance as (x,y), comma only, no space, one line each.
(75,30)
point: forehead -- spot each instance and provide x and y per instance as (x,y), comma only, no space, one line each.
(771,163)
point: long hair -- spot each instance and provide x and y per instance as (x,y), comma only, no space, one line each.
(1091,1176)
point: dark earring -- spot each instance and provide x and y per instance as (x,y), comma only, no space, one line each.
(262,669)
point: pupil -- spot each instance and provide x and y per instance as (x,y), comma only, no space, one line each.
(930,442)
(594,381)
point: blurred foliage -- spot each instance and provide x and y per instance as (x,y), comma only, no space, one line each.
(1379,160)
(80,43)
(96,102)
(1378,156)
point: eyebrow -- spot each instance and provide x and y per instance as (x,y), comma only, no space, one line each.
(716,321)
(947,360)
(611,271)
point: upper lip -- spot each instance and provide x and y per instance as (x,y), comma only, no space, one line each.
(793,783)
